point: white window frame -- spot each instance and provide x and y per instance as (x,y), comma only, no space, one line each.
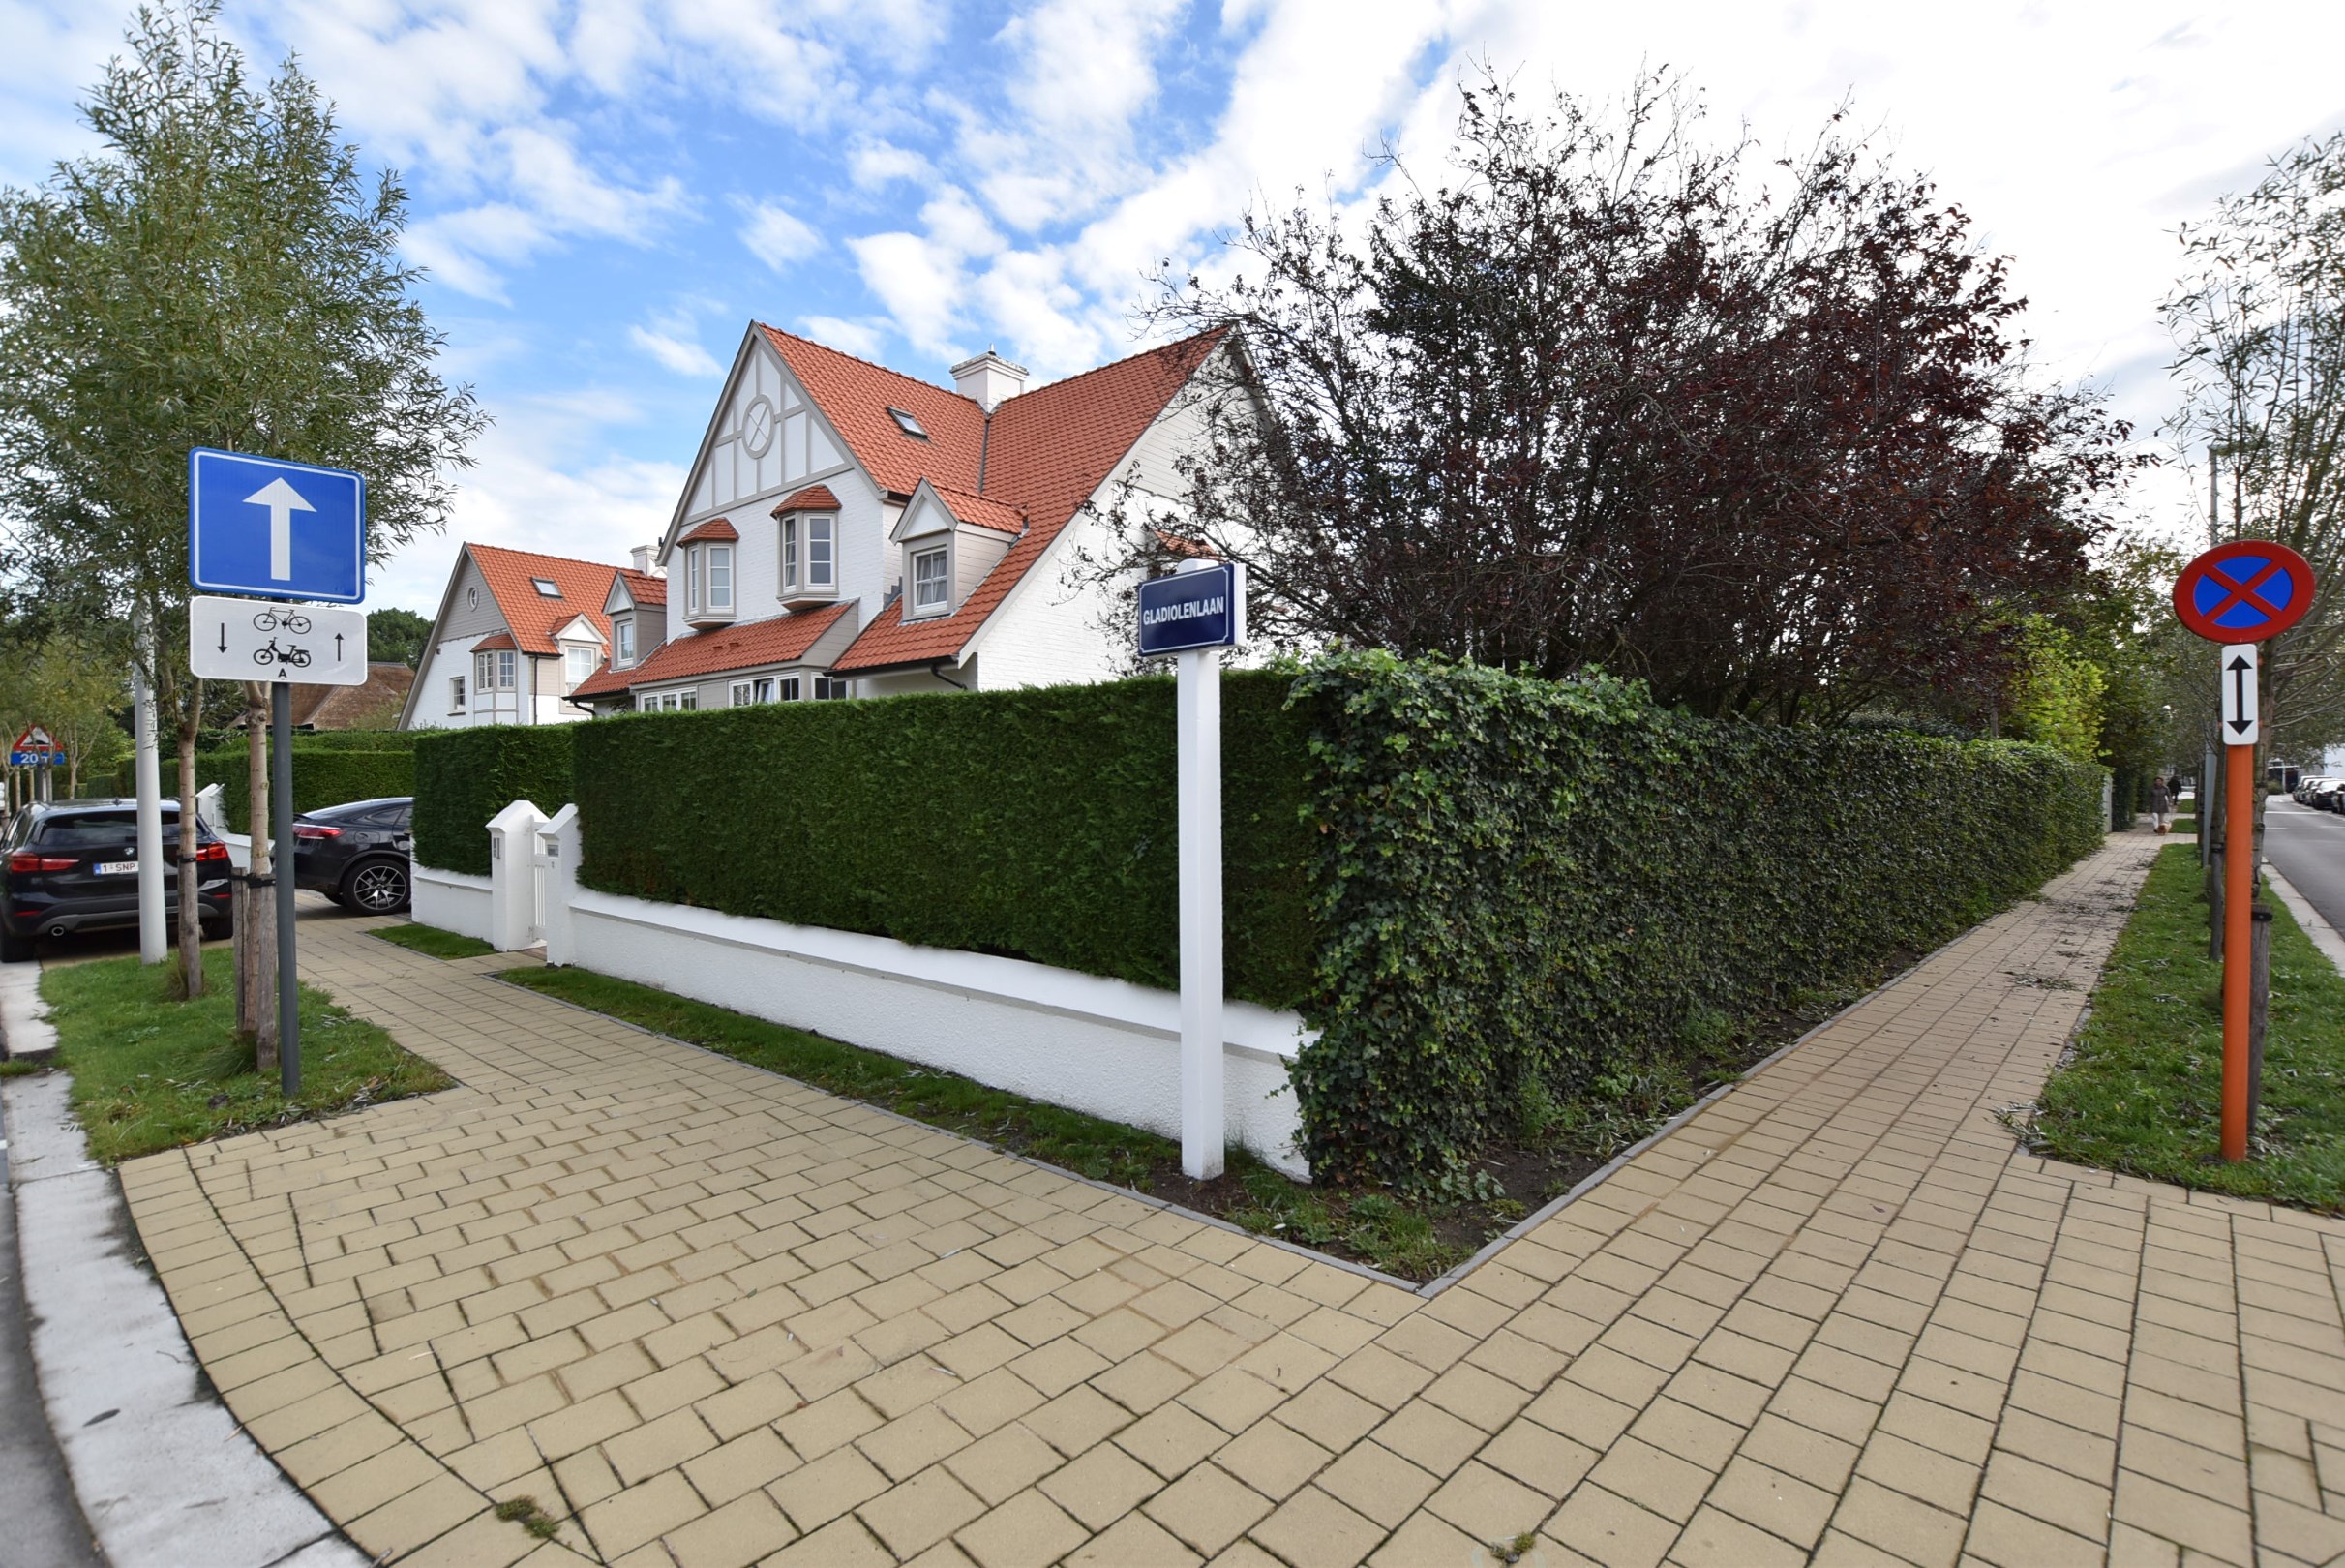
(763,689)
(829,689)
(690,701)
(622,640)
(719,557)
(575,655)
(456,694)
(494,670)
(692,580)
(790,541)
(821,550)
(790,688)
(738,694)
(943,581)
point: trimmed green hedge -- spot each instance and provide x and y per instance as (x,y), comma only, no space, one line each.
(1525,884)
(322,776)
(1483,889)
(464,777)
(1035,823)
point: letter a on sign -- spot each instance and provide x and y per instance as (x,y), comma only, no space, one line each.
(2239,726)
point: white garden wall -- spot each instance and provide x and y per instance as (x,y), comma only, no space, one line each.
(451,900)
(1103,1046)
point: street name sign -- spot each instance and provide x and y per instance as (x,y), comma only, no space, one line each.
(1202,606)
(2241,726)
(303,645)
(2243,592)
(278,530)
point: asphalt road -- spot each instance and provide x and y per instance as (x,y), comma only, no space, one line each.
(41,1522)
(2308,847)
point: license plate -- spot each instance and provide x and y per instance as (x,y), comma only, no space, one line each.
(116,868)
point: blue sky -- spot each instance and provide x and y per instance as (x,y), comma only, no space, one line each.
(607,191)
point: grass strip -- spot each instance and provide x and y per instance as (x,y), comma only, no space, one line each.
(432,942)
(1088,1145)
(2142,1093)
(151,1072)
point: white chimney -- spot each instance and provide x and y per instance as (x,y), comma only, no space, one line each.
(643,554)
(989,379)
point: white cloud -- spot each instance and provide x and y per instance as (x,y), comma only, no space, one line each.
(777,236)
(679,354)
(864,338)
(876,165)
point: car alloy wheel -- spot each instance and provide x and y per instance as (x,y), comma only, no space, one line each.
(379,888)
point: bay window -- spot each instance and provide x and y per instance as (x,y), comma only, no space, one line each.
(493,670)
(808,551)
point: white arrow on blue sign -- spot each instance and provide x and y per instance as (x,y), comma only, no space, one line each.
(276,530)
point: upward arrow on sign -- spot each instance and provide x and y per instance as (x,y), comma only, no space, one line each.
(2238,691)
(2240,670)
(283,500)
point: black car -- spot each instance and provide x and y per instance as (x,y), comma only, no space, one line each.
(73,866)
(356,854)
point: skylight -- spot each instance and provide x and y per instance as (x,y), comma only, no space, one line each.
(546,587)
(909,425)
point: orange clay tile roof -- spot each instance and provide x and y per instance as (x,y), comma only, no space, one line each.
(1047,453)
(716,527)
(643,586)
(782,640)
(981,511)
(527,613)
(812,499)
(494,641)
(855,395)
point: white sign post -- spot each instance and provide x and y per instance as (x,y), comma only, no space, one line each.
(1192,615)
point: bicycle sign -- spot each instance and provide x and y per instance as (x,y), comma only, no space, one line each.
(301,645)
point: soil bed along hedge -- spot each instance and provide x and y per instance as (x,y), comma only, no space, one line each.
(464,777)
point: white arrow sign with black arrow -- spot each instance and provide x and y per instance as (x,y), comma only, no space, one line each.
(2239,667)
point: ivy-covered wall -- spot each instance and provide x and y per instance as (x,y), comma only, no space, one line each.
(464,777)
(1524,883)
(1037,824)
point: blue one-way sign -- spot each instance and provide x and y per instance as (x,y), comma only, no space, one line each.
(282,530)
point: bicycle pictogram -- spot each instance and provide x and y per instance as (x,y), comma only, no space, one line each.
(292,620)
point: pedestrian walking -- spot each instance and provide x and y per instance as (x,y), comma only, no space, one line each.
(2160,803)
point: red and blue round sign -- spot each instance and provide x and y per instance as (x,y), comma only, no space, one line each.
(2243,592)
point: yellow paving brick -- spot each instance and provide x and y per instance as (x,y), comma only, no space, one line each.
(1207,1508)
(910,1518)
(1101,1486)
(822,1490)
(1313,1530)
(1596,1524)
(743,1531)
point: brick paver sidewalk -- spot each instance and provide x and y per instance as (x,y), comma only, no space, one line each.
(707,1316)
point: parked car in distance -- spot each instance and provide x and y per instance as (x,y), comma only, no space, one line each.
(356,854)
(2328,794)
(2306,788)
(73,866)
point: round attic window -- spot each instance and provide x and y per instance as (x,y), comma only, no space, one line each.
(757,425)
(471,598)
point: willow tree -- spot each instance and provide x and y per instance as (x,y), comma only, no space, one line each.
(220,273)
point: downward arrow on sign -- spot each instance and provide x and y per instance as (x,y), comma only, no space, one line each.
(283,500)
(2239,668)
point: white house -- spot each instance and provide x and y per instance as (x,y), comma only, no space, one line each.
(849,531)
(517,634)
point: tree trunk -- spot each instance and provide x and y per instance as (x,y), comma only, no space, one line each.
(190,907)
(256,919)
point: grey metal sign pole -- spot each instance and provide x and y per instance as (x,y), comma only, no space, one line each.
(281,867)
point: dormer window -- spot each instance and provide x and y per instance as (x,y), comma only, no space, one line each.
(808,551)
(622,640)
(546,588)
(579,660)
(907,424)
(931,586)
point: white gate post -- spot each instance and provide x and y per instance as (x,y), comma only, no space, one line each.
(557,879)
(1197,699)
(513,877)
